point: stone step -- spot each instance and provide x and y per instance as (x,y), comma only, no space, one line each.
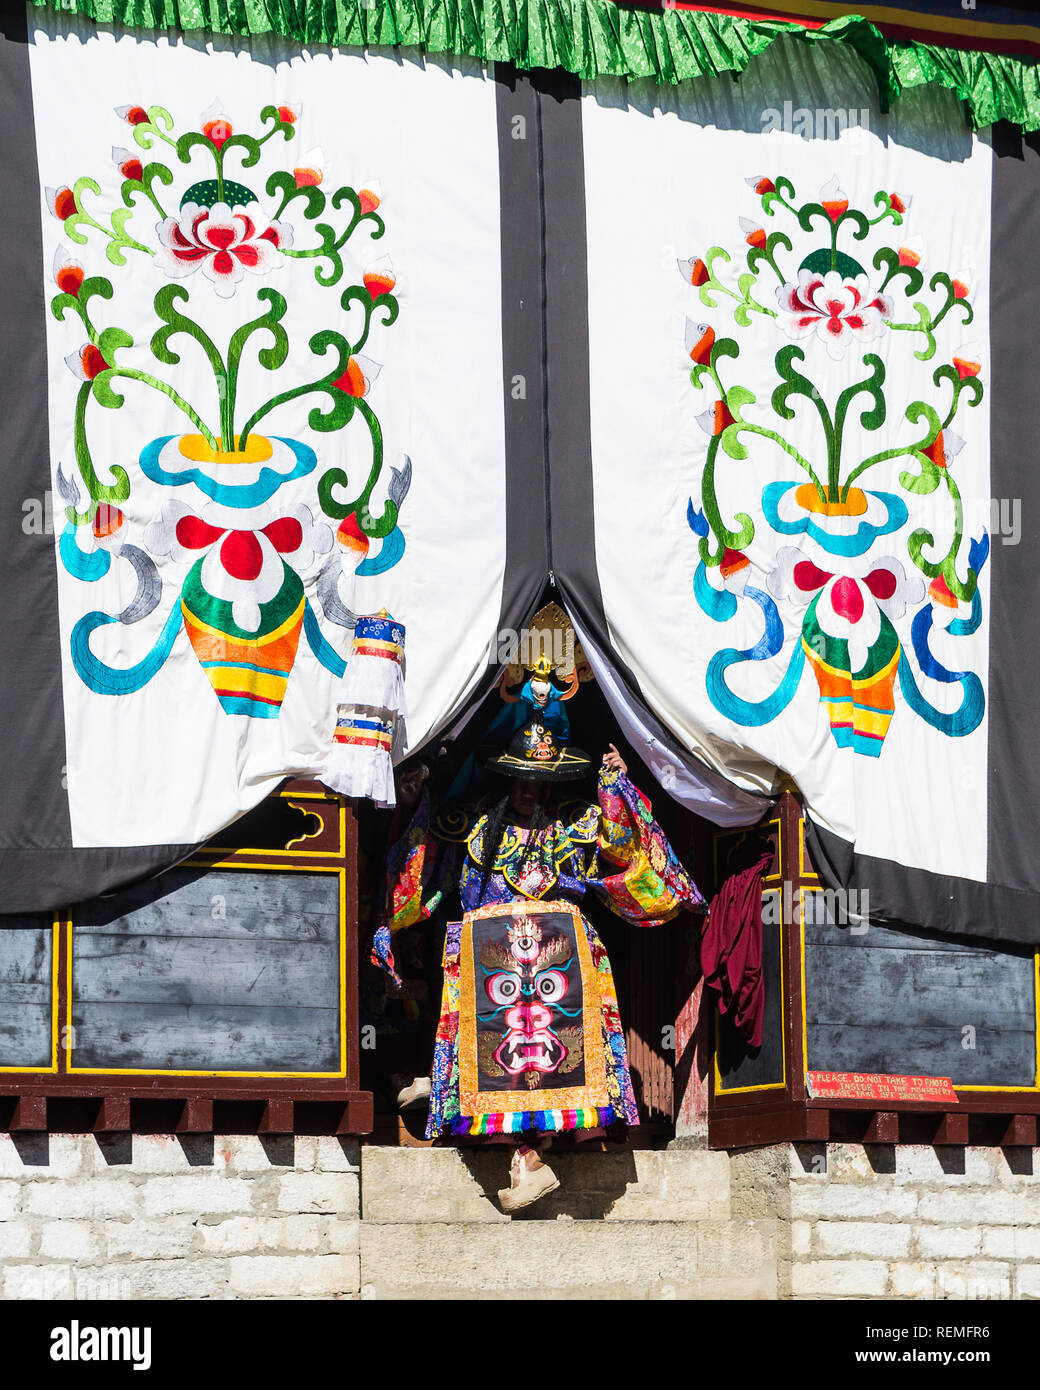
(570,1259)
(402,1186)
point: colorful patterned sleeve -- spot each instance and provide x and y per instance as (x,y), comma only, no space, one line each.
(579,833)
(410,865)
(649,885)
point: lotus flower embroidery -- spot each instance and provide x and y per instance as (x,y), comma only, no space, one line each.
(837,308)
(222,241)
(255,574)
(839,467)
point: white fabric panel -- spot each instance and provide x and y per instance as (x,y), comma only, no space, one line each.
(666,179)
(700,789)
(167,763)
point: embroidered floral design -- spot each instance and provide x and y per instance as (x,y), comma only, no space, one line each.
(838,309)
(241,603)
(865,619)
(222,242)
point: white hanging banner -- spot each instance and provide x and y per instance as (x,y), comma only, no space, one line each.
(275,402)
(797,470)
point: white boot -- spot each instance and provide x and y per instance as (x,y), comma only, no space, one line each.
(526,1182)
(414,1096)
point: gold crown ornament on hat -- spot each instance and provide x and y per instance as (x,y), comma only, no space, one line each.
(549,651)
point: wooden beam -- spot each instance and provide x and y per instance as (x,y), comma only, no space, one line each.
(30,1113)
(113,1116)
(818,1125)
(278,1117)
(693,1052)
(883,1128)
(952,1128)
(407,1139)
(358,1116)
(1020,1132)
(196,1117)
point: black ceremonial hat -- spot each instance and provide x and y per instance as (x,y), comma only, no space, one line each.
(533,752)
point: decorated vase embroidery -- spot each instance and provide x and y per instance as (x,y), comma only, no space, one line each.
(867,617)
(191,210)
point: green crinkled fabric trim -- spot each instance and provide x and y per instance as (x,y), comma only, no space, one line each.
(592,38)
(995,86)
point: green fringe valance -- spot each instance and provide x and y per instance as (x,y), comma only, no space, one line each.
(591,38)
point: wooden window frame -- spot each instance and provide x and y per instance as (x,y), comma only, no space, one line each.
(185,1101)
(769,1114)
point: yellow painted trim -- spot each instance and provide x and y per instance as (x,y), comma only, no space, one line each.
(274,853)
(68,991)
(721,1090)
(343,972)
(246,1075)
(778,876)
(783,994)
(1025,1090)
(814,876)
(805,1027)
(288,853)
(766,878)
(254,1075)
(302,839)
(55,928)
(158,1071)
(55,977)
(200,863)
(746,1090)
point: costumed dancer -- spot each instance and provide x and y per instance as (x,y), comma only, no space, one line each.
(529,1040)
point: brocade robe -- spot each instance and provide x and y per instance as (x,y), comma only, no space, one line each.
(562,1064)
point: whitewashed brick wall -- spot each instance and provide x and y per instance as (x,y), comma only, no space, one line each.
(158,1218)
(917,1222)
(217,1218)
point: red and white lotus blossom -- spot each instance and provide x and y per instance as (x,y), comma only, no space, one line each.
(358,378)
(106,526)
(68,272)
(128,163)
(224,242)
(849,604)
(838,309)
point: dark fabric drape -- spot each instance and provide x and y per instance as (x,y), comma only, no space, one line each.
(731,950)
